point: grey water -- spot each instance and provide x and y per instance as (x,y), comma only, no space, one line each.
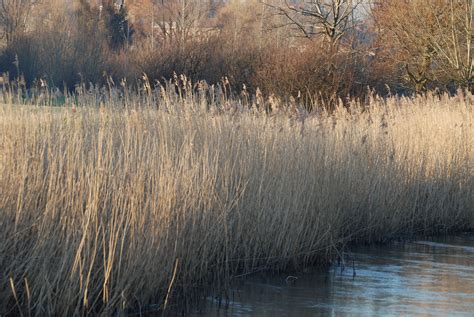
(418,278)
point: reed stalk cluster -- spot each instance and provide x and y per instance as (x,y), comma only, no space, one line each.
(107,208)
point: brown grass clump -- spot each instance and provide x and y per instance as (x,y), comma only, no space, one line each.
(109,209)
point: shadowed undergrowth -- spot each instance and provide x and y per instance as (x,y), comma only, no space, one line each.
(106,209)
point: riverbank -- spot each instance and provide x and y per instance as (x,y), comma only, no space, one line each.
(108,209)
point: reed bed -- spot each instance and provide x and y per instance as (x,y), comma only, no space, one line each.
(111,209)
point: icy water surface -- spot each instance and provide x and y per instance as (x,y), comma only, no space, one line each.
(420,278)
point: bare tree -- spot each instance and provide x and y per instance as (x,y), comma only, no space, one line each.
(431,39)
(453,42)
(329,18)
(401,27)
(14,16)
(178,21)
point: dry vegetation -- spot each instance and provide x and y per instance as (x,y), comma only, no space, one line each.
(115,200)
(317,49)
(109,209)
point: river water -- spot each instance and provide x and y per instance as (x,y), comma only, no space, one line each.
(419,278)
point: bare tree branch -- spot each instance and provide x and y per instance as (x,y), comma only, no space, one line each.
(14,16)
(330,18)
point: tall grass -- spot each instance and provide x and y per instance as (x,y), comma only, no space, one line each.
(108,209)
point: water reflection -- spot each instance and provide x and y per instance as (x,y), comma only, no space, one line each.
(428,278)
